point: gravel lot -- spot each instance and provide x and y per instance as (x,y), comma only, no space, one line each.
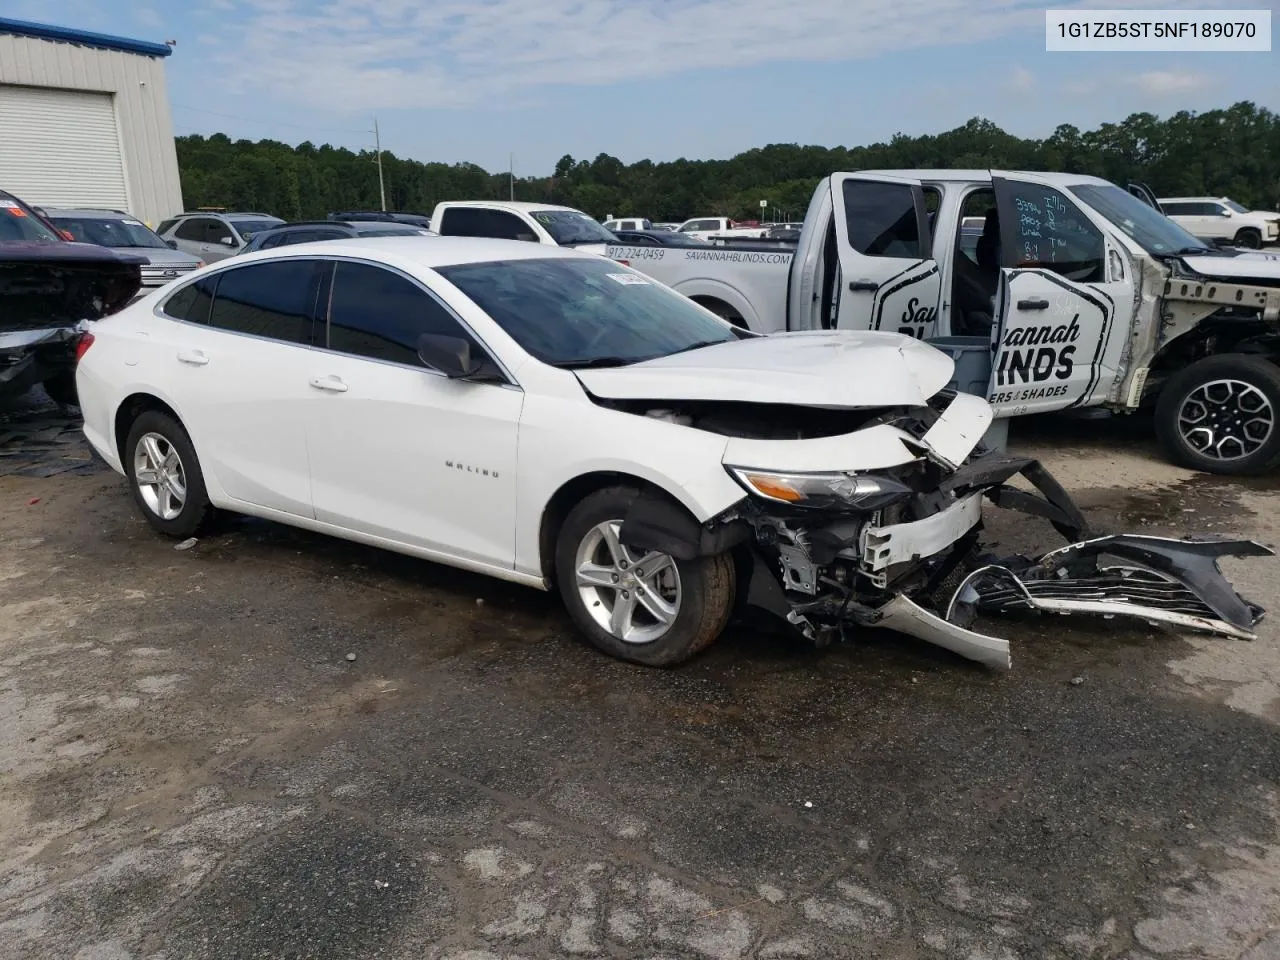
(192,767)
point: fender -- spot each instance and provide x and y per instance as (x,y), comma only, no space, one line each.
(707,287)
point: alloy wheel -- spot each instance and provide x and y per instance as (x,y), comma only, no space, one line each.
(160,475)
(1226,419)
(633,595)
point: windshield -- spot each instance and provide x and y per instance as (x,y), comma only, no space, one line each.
(568,227)
(583,312)
(17,223)
(1232,205)
(1148,227)
(108,232)
(247,228)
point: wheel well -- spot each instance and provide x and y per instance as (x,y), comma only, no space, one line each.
(1213,337)
(134,406)
(564,500)
(720,309)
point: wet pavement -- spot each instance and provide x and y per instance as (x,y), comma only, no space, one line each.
(192,767)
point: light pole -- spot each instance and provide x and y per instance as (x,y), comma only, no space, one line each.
(377,140)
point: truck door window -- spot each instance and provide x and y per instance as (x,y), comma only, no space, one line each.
(882,219)
(478,222)
(1043,229)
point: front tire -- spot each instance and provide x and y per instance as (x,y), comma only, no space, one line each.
(645,607)
(1249,238)
(165,477)
(1222,415)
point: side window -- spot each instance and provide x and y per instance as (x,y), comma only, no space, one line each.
(462,222)
(1217,210)
(507,226)
(378,314)
(1174,209)
(192,229)
(273,300)
(881,218)
(215,231)
(1051,232)
(193,301)
(165,225)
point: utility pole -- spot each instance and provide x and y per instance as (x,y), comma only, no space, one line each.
(377,140)
(511,174)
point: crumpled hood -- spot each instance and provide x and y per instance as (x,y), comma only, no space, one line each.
(834,369)
(52,285)
(1255,265)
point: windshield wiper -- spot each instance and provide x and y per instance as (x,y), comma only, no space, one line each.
(588,362)
(697,346)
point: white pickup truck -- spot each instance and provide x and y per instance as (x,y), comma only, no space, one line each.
(705,228)
(1079,294)
(521,220)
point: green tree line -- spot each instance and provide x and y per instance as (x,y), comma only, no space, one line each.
(1232,152)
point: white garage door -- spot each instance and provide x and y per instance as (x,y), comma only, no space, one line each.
(60,148)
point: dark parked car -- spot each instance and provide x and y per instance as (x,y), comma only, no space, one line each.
(312,230)
(49,288)
(414,219)
(658,238)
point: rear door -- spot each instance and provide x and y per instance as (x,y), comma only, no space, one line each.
(887,278)
(1065,303)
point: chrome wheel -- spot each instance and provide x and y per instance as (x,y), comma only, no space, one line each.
(634,595)
(1226,419)
(159,474)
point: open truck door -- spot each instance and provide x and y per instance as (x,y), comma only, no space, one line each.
(1065,303)
(1143,193)
(864,261)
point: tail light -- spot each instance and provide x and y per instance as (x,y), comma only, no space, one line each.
(625,263)
(83,344)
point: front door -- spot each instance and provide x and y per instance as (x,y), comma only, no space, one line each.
(1065,303)
(888,279)
(398,450)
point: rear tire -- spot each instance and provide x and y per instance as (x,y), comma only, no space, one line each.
(165,477)
(596,574)
(61,388)
(1222,415)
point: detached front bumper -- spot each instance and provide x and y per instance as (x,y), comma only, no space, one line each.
(929,576)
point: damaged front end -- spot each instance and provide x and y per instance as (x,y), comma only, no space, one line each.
(900,547)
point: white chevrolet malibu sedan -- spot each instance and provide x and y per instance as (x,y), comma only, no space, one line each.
(559,420)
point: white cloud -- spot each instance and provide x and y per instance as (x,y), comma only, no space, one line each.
(1163,83)
(1022,81)
(346,55)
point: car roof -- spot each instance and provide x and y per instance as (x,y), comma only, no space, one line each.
(420,251)
(1190,199)
(980,176)
(522,206)
(89,213)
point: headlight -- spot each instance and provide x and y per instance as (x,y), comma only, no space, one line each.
(858,491)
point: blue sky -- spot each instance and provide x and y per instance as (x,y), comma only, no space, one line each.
(475,80)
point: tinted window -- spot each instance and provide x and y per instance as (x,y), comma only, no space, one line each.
(272,300)
(165,225)
(882,219)
(379,314)
(1153,231)
(575,311)
(1175,209)
(1049,231)
(193,229)
(192,302)
(477,222)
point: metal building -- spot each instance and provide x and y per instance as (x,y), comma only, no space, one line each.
(84,121)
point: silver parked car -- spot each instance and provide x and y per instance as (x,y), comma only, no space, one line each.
(215,236)
(120,231)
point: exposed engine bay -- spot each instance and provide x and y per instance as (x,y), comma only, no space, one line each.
(902,547)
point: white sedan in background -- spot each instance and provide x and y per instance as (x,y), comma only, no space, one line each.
(557,419)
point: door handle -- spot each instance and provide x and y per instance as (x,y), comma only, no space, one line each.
(331,383)
(195,358)
(1033,304)
(863,286)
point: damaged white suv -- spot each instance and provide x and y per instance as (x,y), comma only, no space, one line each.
(559,420)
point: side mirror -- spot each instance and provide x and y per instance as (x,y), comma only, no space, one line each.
(171,244)
(450,355)
(227,241)
(1228,212)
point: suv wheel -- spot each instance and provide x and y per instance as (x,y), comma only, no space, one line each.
(1249,238)
(1222,415)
